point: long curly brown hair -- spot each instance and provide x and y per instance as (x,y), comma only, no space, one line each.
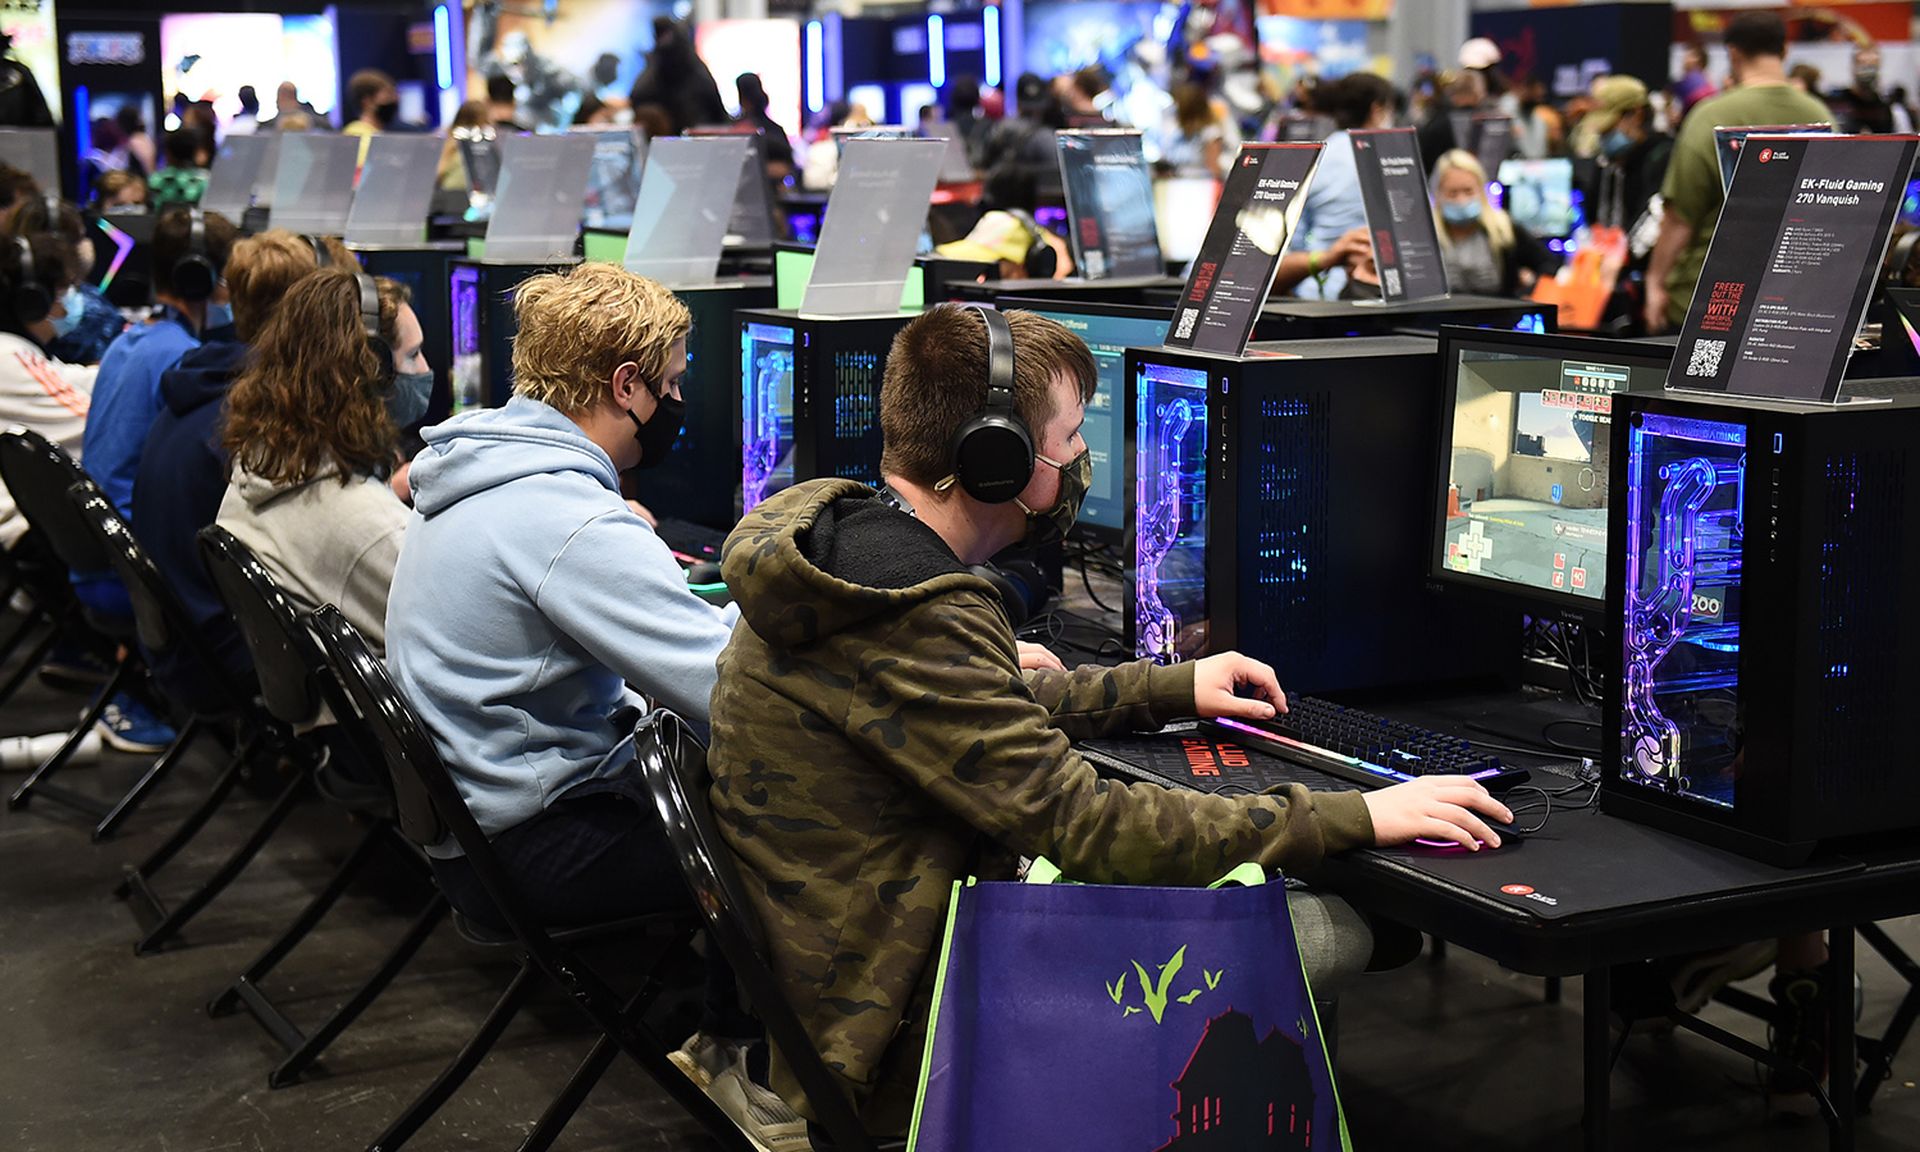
(311,397)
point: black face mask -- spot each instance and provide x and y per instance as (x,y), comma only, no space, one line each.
(385,114)
(657,433)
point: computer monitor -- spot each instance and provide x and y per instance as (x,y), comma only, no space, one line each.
(1539,196)
(1108,331)
(1524,424)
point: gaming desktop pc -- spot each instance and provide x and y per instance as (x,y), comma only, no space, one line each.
(810,397)
(1758,585)
(1138,290)
(1281,507)
(480,328)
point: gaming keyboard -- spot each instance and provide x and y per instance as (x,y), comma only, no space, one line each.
(691,542)
(1368,750)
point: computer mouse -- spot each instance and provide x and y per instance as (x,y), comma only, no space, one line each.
(704,572)
(1509,833)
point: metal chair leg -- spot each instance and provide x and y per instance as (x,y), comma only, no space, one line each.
(579,1085)
(456,1073)
(62,754)
(230,868)
(32,663)
(422,927)
(134,883)
(316,909)
(157,771)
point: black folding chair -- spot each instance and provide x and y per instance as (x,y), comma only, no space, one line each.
(430,808)
(674,765)
(296,685)
(39,473)
(164,626)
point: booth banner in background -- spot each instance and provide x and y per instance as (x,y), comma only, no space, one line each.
(1127,1019)
(30,24)
(557,53)
(211,56)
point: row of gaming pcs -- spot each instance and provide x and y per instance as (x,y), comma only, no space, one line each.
(1386,515)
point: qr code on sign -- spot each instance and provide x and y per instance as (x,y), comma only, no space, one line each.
(1705,359)
(1391,280)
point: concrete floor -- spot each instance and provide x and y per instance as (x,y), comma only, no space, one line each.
(103,1050)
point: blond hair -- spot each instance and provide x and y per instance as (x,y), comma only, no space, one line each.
(1493,221)
(263,266)
(576,327)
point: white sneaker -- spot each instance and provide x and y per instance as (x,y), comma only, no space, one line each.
(761,1114)
(702,1058)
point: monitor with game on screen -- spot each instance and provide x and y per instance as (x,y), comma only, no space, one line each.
(1522,502)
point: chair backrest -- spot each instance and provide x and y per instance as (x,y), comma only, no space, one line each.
(674,765)
(286,657)
(38,474)
(427,804)
(159,618)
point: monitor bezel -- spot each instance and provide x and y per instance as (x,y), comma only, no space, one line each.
(1453,338)
(1100,534)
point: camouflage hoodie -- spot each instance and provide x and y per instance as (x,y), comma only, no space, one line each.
(874,739)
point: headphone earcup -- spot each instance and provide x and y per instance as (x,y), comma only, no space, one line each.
(32,302)
(1042,260)
(993,457)
(1021,584)
(194,278)
(383,353)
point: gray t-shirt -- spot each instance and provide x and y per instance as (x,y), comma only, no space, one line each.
(1471,266)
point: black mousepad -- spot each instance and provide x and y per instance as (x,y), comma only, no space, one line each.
(1579,862)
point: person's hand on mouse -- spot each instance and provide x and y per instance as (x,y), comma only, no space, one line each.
(1436,808)
(1037,658)
(1236,687)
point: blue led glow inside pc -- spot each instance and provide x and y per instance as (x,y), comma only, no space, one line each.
(766,377)
(1759,603)
(467,360)
(1170,551)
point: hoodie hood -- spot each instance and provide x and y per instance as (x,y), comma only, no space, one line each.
(202,376)
(477,451)
(827,556)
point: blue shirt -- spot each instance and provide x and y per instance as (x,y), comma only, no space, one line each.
(99,325)
(1333,209)
(126,398)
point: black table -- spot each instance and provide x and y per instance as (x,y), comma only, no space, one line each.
(1589,891)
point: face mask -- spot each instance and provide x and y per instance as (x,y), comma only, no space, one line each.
(657,433)
(1050,527)
(218,316)
(408,400)
(76,306)
(1465,212)
(385,114)
(1614,143)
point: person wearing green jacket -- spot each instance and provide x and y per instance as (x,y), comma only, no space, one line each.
(874,737)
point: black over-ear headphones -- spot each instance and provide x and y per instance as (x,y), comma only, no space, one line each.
(1041,261)
(370,328)
(32,302)
(194,276)
(993,451)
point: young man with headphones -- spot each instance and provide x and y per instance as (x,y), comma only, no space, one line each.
(874,738)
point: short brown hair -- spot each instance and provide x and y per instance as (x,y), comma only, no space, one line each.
(173,239)
(936,379)
(1757,34)
(576,327)
(364,85)
(264,266)
(309,398)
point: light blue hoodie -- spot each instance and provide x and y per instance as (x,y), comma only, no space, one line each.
(526,593)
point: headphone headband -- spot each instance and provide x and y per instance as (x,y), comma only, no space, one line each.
(369,298)
(32,300)
(321,257)
(193,276)
(999,362)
